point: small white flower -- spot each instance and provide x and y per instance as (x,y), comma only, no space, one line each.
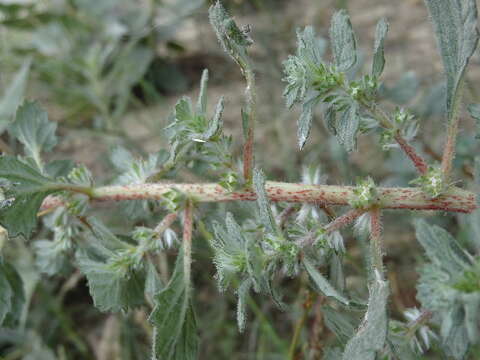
(354,91)
(363,224)
(335,240)
(169,237)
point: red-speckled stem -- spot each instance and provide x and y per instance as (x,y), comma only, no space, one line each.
(376,244)
(419,163)
(343,220)
(455,200)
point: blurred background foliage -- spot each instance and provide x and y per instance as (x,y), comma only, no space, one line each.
(110,71)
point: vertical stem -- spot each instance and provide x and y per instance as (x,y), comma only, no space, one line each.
(187,240)
(250,111)
(376,247)
(307,304)
(452,130)
(449,150)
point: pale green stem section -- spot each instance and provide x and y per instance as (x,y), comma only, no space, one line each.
(454,200)
(187,242)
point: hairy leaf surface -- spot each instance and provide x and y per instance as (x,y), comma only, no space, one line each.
(455,25)
(13,96)
(343,41)
(379,56)
(371,335)
(25,192)
(322,284)
(173,319)
(33,129)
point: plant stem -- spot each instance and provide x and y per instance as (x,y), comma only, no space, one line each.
(452,130)
(299,325)
(187,240)
(410,151)
(454,200)
(419,163)
(166,222)
(250,112)
(334,225)
(343,220)
(376,245)
(449,151)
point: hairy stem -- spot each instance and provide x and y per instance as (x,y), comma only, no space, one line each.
(419,163)
(454,200)
(410,151)
(376,245)
(307,304)
(344,220)
(452,130)
(334,225)
(166,222)
(250,111)
(187,240)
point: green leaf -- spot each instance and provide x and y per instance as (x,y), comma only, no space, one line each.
(33,129)
(216,124)
(59,168)
(343,42)
(310,49)
(153,283)
(322,284)
(339,323)
(305,121)
(441,248)
(24,178)
(371,335)
(449,287)
(13,96)
(243,293)
(234,40)
(455,25)
(230,251)
(112,288)
(173,319)
(474,110)
(6,293)
(202,96)
(50,256)
(102,240)
(184,110)
(347,127)
(330,119)
(27,189)
(454,333)
(300,69)
(266,216)
(12,296)
(379,57)
(332,354)
(134,170)
(20,218)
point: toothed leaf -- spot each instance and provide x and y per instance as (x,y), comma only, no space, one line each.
(343,41)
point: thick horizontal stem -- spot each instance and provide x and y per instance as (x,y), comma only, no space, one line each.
(455,200)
